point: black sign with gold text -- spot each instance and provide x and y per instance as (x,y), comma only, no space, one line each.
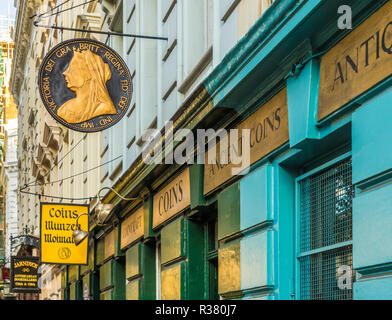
(85,85)
(24,274)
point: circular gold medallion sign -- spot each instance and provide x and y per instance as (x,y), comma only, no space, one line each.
(85,85)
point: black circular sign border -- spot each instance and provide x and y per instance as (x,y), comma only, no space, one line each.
(57,118)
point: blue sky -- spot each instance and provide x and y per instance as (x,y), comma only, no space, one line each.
(4,7)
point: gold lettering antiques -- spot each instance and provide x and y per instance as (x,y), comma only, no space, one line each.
(85,85)
(358,62)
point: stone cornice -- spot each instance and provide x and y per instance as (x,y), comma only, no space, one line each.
(88,21)
(54,140)
(22,36)
(111,9)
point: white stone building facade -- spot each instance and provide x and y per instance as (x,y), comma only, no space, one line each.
(10,181)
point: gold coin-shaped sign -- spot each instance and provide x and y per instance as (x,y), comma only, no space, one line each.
(85,85)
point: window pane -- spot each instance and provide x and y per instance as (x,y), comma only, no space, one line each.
(320,275)
(326,220)
(326,207)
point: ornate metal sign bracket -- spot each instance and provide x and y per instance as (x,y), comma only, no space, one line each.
(23,239)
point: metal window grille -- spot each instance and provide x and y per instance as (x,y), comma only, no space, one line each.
(325,222)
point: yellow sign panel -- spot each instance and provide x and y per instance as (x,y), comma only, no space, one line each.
(171,283)
(229,268)
(58,221)
(357,63)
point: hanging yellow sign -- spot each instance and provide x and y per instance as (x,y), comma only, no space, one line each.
(58,221)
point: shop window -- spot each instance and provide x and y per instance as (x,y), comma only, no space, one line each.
(325,227)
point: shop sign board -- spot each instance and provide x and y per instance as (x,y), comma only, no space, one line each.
(132,228)
(268,130)
(58,221)
(357,63)
(85,85)
(172,199)
(109,245)
(24,274)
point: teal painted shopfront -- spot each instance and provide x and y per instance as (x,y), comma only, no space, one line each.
(311,217)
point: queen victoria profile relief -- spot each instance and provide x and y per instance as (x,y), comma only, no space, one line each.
(86,75)
(85,85)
